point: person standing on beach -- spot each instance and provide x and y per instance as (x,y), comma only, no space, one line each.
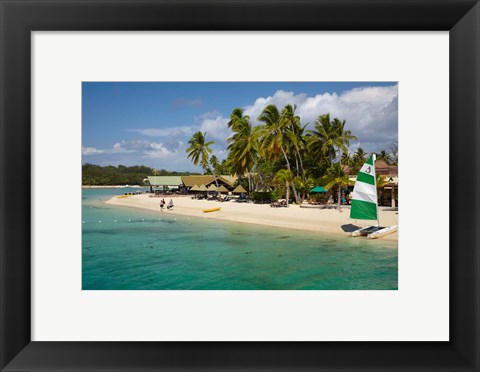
(162,204)
(170,204)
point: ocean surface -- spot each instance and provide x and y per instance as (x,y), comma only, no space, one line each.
(133,249)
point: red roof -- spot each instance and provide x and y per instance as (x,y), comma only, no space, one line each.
(381,167)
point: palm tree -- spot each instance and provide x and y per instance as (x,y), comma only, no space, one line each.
(385,156)
(335,177)
(358,159)
(265,172)
(380,182)
(344,136)
(284,177)
(243,145)
(294,132)
(347,159)
(273,136)
(329,137)
(321,138)
(303,185)
(394,152)
(199,151)
(214,163)
(236,117)
(271,133)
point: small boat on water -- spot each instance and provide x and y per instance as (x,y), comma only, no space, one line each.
(211,210)
(365,203)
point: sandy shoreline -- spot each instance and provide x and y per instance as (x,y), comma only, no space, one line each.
(294,217)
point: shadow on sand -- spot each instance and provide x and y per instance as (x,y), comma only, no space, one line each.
(350,227)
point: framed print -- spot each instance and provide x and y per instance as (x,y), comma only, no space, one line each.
(79,84)
(237,275)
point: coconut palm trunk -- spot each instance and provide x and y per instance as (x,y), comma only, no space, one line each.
(287,192)
(200,150)
(295,194)
(214,177)
(301,162)
(339,196)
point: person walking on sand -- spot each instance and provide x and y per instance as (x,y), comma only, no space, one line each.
(162,204)
(170,204)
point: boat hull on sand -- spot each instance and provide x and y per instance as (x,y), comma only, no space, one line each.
(211,210)
(375,232)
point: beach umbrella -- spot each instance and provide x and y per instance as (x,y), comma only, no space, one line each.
(222,189)
(202,187)
(194,188)
(239,189)
(318,189)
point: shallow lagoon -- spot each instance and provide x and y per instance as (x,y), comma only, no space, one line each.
(133,249)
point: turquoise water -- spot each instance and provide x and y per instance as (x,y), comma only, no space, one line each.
(136,249)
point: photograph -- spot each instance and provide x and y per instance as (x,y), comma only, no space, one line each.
(240,185)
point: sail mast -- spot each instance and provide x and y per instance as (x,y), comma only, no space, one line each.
(374,158)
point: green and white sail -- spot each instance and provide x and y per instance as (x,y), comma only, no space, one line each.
(364,196)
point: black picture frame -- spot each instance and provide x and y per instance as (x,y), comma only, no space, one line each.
(18,18)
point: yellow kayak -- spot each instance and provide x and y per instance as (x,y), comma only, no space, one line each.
(211,210)
(122,196)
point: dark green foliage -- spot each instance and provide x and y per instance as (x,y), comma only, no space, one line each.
(274,195)
(219,168)
(262,197)
(242,181)
(319,197)
(96,175)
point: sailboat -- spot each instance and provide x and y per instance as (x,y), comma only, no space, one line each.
(365,202)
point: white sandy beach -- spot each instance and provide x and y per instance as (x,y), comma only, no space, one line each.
(293,217)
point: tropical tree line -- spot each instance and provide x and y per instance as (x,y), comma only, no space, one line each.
(96,175)
(281,151)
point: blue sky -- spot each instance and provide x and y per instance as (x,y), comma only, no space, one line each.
(151,123)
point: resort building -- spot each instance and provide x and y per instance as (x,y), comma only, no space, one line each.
(388,193)
(165,183)
(223,180)
(183,184)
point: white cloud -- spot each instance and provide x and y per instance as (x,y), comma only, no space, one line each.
(158,151)
(208,115)
(211,122)
(216,128)
(371,95)
(91,151)
(148,149)
(371,113)
(123,147)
